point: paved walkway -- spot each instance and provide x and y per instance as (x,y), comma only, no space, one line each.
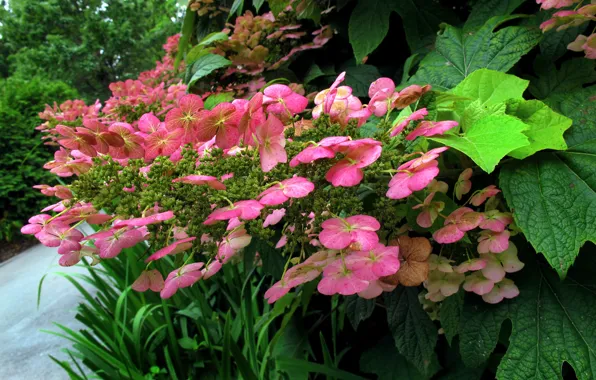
(24,349)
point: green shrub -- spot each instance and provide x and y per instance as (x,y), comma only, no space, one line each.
(23,153)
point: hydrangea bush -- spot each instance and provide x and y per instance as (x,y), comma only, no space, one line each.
(385,195)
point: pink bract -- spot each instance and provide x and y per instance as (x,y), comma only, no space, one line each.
(295,187)
(340,233)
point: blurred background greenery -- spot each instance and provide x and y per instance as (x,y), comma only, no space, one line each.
(55,50)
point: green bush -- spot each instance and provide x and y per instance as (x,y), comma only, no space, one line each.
(23,153)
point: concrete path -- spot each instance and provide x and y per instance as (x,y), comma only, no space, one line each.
(24,349)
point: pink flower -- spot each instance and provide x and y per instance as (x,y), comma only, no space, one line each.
(172,249)
(281,100)
(548,4)
(381,93)
(246,210)
(270,137)
(496,220)
(440,284)
(278,290)
(185,117)
(180,278)
(36,224)
(375,263)
(509,259)
(495,242)
(585,44)
(144,221)
(502,289)
(440,263)
(110,243)
(409,95)
(478,284)
(360,153)
(162,143)
(430,211)
(457,223)
(493,270)
(132,144)
(149,123)
(431,128)
(231,244)
(339,233)
(338,279)
(60,235)
(326,148)
(73,257)
(274,218)
(416,115)
(479,197)
(221,122)
(211,269)
(412,178)
(295,187)
(208,180)
(471,265)
(252,116)
(463,184)
(149,279)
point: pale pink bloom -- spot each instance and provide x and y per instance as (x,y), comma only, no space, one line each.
(438,187)
(73,257)
(272,141)
(470,265)
(372,264)
(246,210)
(549,4)
(495,242)
(457,223)
(211,269)
(278,290)
(56,207)
(503,289)
(412,178)
(59,191)
(380,101)
(463,184)
(274,218)
(110,243)
(375,288)
(132,146)
(496,220)
(478,284)
(381,84)
(440,263)
(337,279)
(339,233)
(36,224)
(180,278)
(432,128)
(416,115)
(233,223)
(282,242)
(493,270)
(326,148)
(60,235)
(281,100)
(348,171)
(295,187)
(509,259)
(208,180)
(430,211)
(445,283)
(481,196)
(144,221)
(149,279)
(231,244)
(172,249)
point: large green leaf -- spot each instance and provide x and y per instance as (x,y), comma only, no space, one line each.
(551,320)
(369,24)
(450,314)
(553,195)
(572,74)
(554,43)
(360,78)
(488,140)
(458,53)
(545,130)
(414,333)
(384,361)
(205,65)
(490,87)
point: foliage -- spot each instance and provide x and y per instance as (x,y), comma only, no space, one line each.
(247,175)
(87,44)
(23,153)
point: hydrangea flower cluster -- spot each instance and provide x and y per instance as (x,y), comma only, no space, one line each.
(208,186)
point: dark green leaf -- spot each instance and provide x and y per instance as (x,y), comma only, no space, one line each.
(483,10)
(313,73)
(257,4)
(458,54)
(187,28)
(572,75)
(205,65)
(358,309)
(369,24)
(218,98)
(554,43)
(450,314)
(360,78)
(414,333)
(384,361)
